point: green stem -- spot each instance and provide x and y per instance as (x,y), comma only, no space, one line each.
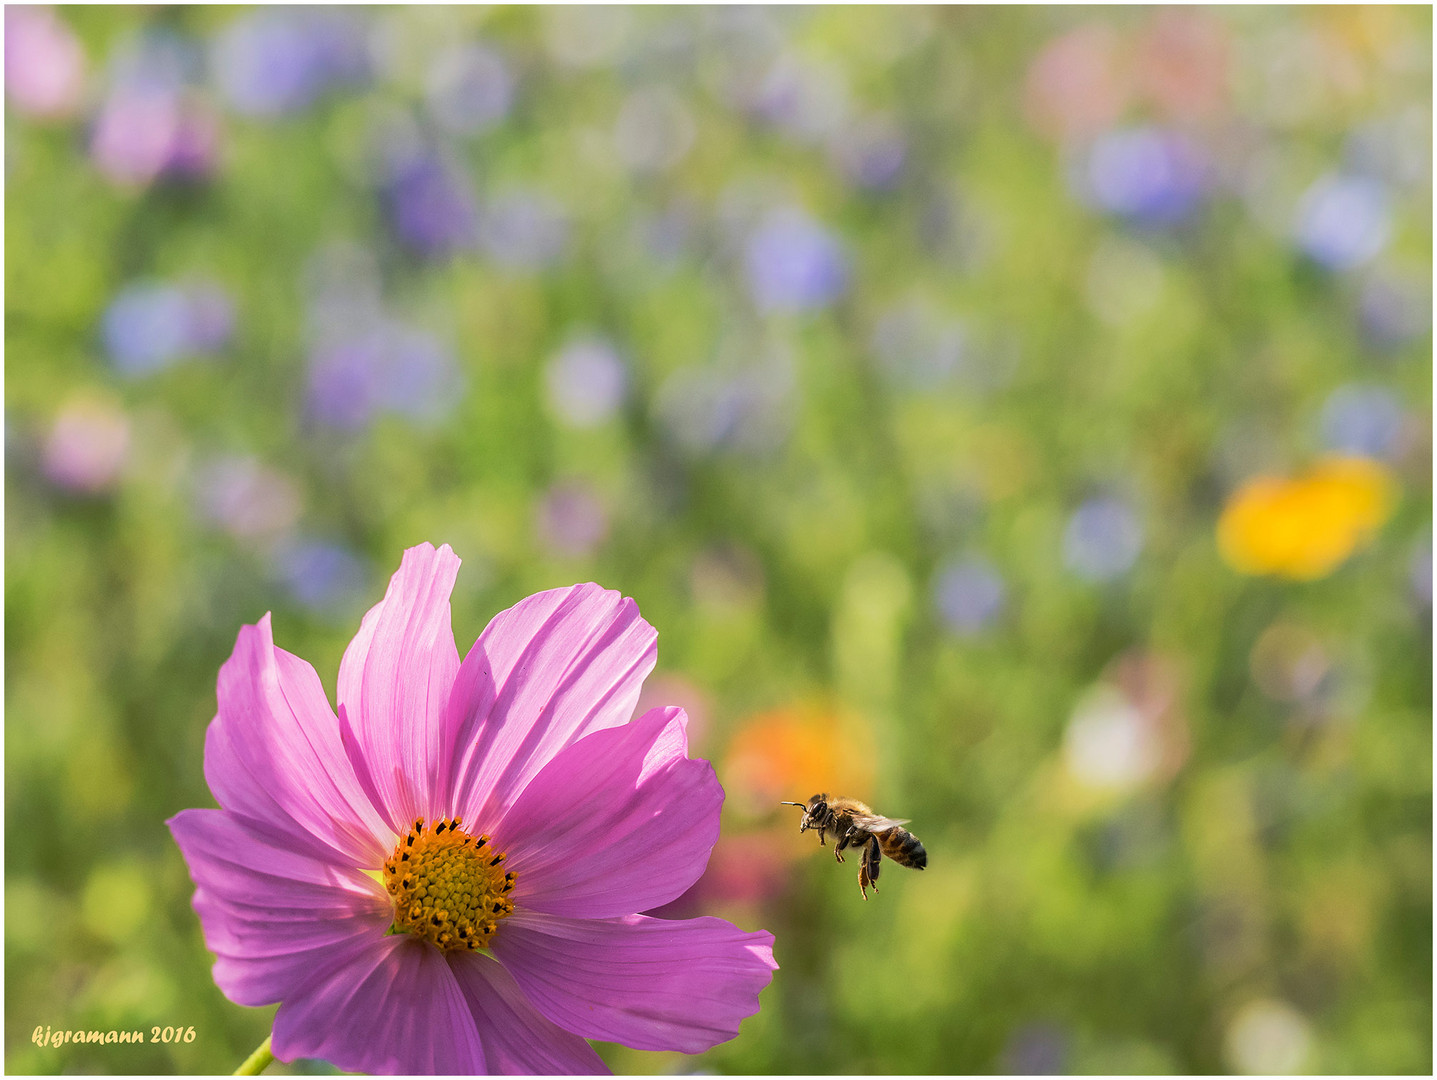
(257,1062)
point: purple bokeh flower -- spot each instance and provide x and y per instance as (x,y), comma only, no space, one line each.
(431,205)
(1395,309)
(917,348)
(150,325)
(513,784)
(422,381)
(1103,539)
(194,151)
(1420,572)
(794,264)
(969,594)
(246,498)
(44,63)
(133,133)
(153,123)
(660,240)
(320,576)
(748,410)
(1343,221)
(587,382)
(524,230)
(572,520)
(1147,175)
(346,382)
(804,98)
(871,153)
(279,60)
(143,134)
(469,89)
(1362,420)
(1038,1048)
(209,318)
(1395,147)
(382,367)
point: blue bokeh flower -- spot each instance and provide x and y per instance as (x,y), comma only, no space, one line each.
(1343,221)
(1103,539)
(1147,175)
(794,263)
(969,594)
(151,325)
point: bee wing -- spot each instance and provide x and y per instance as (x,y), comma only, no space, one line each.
(877,823)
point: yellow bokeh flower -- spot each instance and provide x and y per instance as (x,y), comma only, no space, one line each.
(1304,527)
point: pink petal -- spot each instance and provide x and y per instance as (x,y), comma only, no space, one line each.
(516,1037)
(544,673)
(392,1008)
(271,915)
(648,983)
(620,821)
(273,753)
(394,685)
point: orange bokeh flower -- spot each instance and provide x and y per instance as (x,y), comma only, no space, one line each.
(792,753)
(1304,527)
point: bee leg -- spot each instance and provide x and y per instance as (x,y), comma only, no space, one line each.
(872,856)
(868,868)
(839,846)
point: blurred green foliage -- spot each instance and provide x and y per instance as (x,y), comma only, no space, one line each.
(1178,819)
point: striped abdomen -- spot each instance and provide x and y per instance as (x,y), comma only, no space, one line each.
(903,847)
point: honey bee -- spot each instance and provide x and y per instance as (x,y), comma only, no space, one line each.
(854,824)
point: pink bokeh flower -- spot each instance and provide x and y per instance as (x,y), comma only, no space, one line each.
(445,876)
(44,63)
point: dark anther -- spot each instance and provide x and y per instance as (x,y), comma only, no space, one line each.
(439,828)
(404,857)
(480,842)
(498,907)
(497,859)
(410,842)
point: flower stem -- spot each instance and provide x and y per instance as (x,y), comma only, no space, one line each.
(257,1062)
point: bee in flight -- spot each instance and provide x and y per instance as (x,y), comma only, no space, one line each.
(854,824)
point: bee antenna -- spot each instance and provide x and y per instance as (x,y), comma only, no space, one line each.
(801,806)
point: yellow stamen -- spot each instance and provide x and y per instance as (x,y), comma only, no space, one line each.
(443,891)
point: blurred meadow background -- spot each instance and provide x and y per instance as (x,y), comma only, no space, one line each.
(1017,418)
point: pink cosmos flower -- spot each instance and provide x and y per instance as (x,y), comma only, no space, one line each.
(445,876)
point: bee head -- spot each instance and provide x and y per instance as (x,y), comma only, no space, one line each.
(814,812)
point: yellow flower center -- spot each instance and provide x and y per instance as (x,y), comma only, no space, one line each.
(448,887)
